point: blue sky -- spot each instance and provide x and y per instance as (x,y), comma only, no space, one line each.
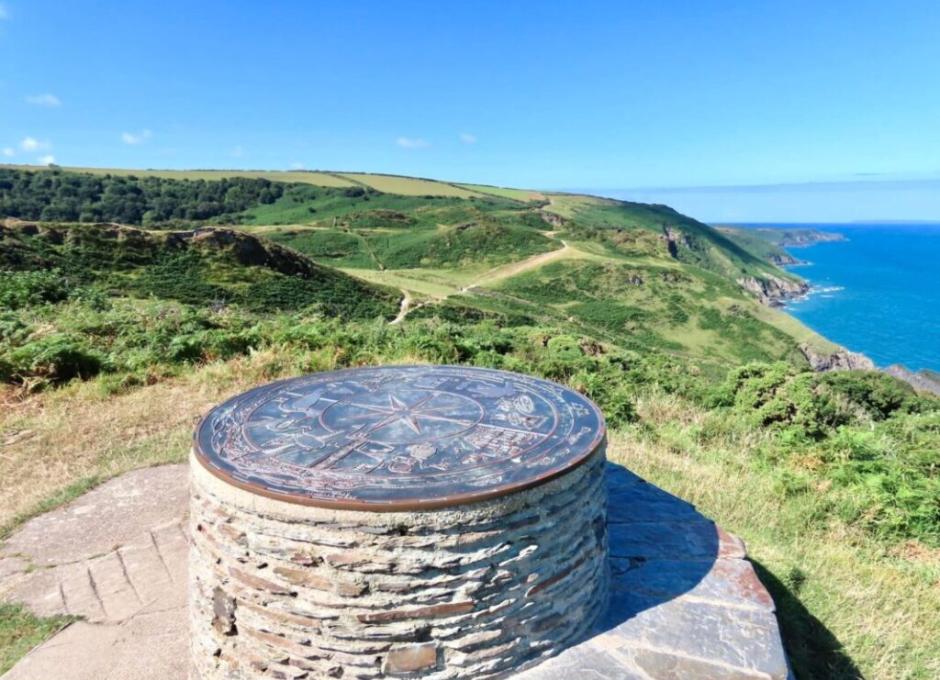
(727,110)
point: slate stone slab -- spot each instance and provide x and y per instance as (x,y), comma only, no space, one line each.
(685,602)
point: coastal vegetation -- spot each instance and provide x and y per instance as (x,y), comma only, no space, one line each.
(114,338)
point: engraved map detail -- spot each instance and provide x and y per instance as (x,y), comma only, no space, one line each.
(399,435)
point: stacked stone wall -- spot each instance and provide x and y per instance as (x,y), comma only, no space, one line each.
(281,590)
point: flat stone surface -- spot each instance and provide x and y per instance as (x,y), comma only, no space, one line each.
(116,557)
(685,603)
(111,515)
(399,437)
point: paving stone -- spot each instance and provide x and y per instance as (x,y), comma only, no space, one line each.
(747,639)
(665,666)
(79,596)
(151,646)
(587,661)
(147,572)
(113,514)
(700,539)
(12,565)
(109,580)
(727,581)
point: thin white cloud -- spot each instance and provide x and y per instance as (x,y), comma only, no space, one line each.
(467,138)
(4,13)
(237,152)
(48,159)
(46,100)
(136,137)
(33,144)
(296,165)
(8,152)
(412,143)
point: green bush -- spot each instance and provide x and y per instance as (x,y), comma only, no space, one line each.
(56,358)
(879,394)
(26,288)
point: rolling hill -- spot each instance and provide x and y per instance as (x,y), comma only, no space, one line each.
(130,301)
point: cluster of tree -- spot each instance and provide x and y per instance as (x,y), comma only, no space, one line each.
(57,196)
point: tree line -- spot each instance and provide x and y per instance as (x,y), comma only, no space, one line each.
(59,196)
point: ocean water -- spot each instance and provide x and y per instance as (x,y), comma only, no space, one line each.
(877,293)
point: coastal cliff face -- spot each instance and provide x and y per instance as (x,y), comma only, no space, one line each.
(840,360)
(784,260)
(772,290)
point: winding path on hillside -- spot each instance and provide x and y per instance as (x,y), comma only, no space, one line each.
(405,308)
(503,271)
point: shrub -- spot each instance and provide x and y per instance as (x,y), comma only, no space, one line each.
(56,358)
(26,288)
(879,394)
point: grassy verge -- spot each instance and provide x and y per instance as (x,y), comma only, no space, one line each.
(20,631)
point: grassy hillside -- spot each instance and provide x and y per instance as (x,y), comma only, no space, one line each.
(114,338)
(761,242)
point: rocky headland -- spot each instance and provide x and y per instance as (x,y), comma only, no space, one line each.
(797,238)
(774,291)
(839,360)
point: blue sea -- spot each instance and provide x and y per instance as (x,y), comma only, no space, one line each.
(877,293)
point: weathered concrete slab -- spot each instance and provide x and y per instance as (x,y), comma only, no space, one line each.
(115,557)
(685,603)
(113,514)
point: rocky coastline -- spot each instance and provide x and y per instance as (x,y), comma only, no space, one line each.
(774,291)
(841,359)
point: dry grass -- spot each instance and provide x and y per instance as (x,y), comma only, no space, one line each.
(505,192)
(54,441)
(409,186)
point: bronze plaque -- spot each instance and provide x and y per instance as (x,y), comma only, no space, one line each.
(399,437)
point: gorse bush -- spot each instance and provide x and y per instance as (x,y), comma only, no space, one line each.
(872,439)
(776,395)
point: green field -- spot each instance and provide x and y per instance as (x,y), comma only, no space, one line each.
(504,192)
(409,186)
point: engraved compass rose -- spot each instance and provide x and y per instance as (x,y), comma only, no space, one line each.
(407,416)
(399,437)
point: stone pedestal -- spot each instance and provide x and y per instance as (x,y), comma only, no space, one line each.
(431,522)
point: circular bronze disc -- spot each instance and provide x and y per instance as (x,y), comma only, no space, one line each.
(398,437)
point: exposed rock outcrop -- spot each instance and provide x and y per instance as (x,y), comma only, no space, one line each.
(839,360)
(674,238)
(773,290)
(784,260)
(554,219)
